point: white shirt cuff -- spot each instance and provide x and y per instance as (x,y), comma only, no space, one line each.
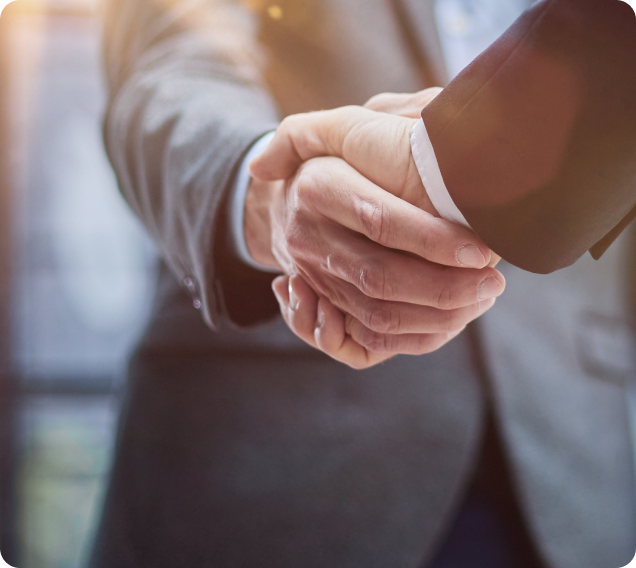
(428,168)
(237,205)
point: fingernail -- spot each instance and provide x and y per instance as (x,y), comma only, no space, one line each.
(293,299)
(320,317)
(489,288)
(471,257)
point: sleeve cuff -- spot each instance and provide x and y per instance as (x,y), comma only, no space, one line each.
(428,168)
(237,205)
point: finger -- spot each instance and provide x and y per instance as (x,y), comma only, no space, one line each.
(329,332)
(384,274)
(281,289)
(343,195)
(303,303)
(298,304)
(407,344)
(401,318)
(331,338)
(403,104)
(396,317)
(347,341)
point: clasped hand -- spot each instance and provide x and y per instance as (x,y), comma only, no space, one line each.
(370,269)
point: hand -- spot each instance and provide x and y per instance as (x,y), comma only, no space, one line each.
(340,237)
(318,322)
(410,105)
(375,143)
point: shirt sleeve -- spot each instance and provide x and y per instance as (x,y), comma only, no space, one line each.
(428,168)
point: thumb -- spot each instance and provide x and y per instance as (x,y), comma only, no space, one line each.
(301,137)
(376,144)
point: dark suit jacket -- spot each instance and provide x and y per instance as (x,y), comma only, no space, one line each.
(244,447)
(536,139)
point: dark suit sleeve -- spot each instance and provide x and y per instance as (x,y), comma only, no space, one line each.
(185,103)
(536,139)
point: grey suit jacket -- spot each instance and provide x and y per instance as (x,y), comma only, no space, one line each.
(285,457)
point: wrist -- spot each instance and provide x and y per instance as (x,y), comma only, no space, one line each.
(421,198)
(257,223)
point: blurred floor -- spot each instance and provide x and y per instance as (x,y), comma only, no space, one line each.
(66,451)
(83,280)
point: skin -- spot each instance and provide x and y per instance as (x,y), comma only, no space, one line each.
(370,270)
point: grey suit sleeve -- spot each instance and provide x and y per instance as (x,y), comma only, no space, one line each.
(185,103)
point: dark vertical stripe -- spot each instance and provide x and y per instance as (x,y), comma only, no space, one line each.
(8,540)
(489,530)
(412,42)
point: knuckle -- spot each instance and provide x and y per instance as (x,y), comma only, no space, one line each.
(384,319)
(375,342)
(432,244)
(295,125)
(287,123)
(371,280)
(336,296)
(445,298)
(375,219)
(292,122)
(306,184)
(425,243)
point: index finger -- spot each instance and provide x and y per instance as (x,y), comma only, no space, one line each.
(358,204)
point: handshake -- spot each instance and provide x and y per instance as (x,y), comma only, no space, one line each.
(370,269)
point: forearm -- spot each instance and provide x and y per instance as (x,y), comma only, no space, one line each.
(182,113)
(536,139)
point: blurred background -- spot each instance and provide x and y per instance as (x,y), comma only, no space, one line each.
(77,276)
(76,282)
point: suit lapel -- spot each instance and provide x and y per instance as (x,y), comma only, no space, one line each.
(558,348)
(417,18)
